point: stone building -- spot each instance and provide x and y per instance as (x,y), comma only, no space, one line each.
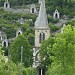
(56,14)
(6,4)
(33,8)
(42,32)
(2,35)
(5,43)
(18,32)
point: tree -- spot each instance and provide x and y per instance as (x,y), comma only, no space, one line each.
(31,39)
(64,50)
(1,54)
(61,50)
(45,52)
(9,69)
(15,51)
(29,71)
(64,53)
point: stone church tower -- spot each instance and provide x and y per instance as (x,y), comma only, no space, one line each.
(42,32)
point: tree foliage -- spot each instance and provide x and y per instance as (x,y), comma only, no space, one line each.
(15,50)
(29,71)
(45,52)
(62,49)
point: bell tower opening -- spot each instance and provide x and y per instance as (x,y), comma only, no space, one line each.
(41,37)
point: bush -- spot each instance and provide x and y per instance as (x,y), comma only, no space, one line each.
(50,19)
(29,71)
(54,28)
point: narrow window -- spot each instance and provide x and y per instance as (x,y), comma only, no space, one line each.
(56,16)
(41,37)
(6,5)
(19,33)
(4,44)
(32,10)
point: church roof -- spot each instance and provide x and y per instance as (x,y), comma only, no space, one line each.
(41,21)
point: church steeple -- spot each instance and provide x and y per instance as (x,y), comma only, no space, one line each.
(42,32)
(41,21)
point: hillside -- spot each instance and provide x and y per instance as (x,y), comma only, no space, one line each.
(9,21)
(46,45)
(65,7)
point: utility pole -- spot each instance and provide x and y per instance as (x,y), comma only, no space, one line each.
(21,60)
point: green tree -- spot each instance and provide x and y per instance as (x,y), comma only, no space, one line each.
(61,51)
(64,53)
(15,50)
(9,69)
(29,71)
(45,52)
(31,39)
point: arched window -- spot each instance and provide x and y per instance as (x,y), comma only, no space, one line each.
(4,44)
(41,37)
(6,5)
(19,33)
(32,10)
(56,15)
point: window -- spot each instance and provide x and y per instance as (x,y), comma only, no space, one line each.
(32,10)
(4,44)
(19,33)
(41,37)
(6,5)
(56,15)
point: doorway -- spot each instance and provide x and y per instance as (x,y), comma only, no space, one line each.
(32,10)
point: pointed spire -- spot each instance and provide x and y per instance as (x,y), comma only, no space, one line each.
(41,21)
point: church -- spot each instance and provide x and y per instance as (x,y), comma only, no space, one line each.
(42,32)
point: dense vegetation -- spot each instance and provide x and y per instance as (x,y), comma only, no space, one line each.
(9,23)
(15,51)
(65,7)
(57,53)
